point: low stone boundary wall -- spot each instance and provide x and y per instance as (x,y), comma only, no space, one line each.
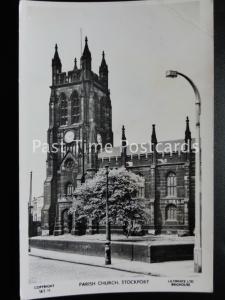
(130,251)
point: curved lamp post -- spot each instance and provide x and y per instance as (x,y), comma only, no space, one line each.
(83,168)
(108,238)
(198,176)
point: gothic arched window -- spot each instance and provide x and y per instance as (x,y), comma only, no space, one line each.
(171,212)
(69,164)
(63,110)
(102,112)
(75,108)
(141,187)
(96,109)
(171,184)
(69,189)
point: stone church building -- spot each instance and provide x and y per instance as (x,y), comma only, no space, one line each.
(80,110)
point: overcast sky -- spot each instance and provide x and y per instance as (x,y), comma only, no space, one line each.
(141,41)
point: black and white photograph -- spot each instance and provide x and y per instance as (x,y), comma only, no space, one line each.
(116,147)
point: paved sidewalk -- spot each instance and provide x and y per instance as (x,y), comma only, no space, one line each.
(163,269)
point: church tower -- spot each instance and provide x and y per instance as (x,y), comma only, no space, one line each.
(80,114)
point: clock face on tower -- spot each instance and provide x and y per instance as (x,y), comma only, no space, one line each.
(69,137)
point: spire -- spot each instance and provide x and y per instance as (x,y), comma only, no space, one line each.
(86,52)
(187,131)
(86,57)
(56,65)
(153,137)
(123,136)
(56,60)
(103,71)
(103,67)
(75,64)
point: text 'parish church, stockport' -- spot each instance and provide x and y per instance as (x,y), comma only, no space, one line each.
(80,109)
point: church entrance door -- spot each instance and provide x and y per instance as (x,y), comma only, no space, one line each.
(66,221)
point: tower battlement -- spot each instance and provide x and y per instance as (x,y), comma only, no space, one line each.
(75,77)
(78,75)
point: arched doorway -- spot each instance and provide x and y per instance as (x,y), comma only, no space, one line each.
(66,221)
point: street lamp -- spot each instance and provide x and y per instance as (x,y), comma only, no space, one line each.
(83,172)
(108,238)
(198,189)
